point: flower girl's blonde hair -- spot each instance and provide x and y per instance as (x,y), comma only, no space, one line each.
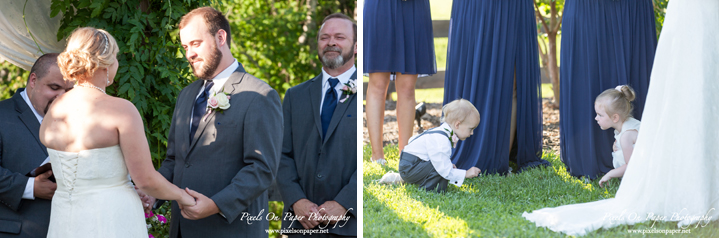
(617,101)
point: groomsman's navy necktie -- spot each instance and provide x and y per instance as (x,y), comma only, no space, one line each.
(328,106)
(200,108)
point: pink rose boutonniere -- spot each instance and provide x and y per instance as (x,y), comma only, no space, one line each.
(453,139)
(217,102)
(349,89)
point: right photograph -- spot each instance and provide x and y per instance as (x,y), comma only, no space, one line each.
(540,118)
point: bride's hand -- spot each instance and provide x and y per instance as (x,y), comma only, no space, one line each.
(186,200)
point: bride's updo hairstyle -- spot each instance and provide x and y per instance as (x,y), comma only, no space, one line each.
(617,101)
(88,49)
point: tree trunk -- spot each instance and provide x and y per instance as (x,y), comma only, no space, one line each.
(552,67)
(551,26)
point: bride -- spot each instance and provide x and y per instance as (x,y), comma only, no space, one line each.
(93,141)
(674,172)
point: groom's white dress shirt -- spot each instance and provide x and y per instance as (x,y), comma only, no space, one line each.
(437,148)
(343,78)
(30,186)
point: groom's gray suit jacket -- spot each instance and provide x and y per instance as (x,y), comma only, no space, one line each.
(20,152)
(232,159)
(314,168)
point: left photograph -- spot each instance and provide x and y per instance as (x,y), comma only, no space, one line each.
(137,118)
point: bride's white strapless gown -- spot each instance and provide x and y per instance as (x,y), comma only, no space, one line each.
(94,196)
(673,174)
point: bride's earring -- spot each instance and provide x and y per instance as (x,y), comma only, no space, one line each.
(108,78)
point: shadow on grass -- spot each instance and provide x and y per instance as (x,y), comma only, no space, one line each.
(490,205)
(381,220)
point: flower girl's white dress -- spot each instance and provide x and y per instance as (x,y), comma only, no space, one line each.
(674,171)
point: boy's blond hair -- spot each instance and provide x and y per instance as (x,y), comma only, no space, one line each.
(458,110)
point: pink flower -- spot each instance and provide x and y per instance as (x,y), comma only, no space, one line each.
(455,139)
(212,102)
(161,219)
(151,236)
(148,215)
(345,88)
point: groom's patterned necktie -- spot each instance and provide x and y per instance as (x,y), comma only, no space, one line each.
(200,108)
(329,104)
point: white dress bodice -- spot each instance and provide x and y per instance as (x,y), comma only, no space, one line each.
(618,156)
(94,196)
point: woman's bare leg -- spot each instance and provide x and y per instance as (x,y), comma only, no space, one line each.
(376,93)
(405,84)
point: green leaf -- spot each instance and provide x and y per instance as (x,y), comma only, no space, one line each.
(97,6)
(124,88)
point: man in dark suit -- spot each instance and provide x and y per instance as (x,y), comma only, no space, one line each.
(318,169)
(225,148)
(25,209)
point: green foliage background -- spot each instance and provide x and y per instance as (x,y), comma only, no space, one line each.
(275,40)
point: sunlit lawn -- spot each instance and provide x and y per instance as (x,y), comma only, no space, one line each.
(490,205)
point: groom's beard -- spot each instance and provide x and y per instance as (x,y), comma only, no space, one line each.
(209,67)
(337,61)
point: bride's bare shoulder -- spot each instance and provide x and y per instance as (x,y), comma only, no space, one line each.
(120,107)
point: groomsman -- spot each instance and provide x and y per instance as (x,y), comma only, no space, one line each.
(25,209)
(225,148)
(318,169)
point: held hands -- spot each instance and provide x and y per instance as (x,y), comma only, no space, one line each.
(44,188)
(304,207)
(199,207)
(472,172)
(186,200)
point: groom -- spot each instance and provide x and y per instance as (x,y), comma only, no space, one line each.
(229,154)
(318,169)
(25,209)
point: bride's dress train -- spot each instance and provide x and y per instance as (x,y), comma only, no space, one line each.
(94,196)
(674,171)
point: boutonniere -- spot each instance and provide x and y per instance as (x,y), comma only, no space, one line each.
(453,139)
(347,90)
(217,102)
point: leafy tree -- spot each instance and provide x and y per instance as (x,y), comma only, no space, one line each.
(152,69)
(549,13)
(11,78)
(660,10)
(277,40)
(549,26)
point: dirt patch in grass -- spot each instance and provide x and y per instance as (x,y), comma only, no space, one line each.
(550,140)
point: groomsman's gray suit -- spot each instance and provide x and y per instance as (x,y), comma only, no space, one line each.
(20,152)
(319,169)
(232,159)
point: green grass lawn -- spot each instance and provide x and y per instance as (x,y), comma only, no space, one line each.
(490,205)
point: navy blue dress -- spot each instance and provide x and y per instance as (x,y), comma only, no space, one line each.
(490,43)
(605,43)
(398,37)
